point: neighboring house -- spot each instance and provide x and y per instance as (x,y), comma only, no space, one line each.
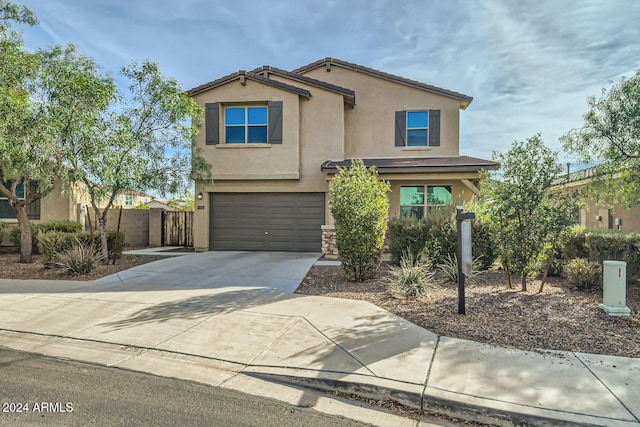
(58,205)
(129,199)
(67,203)
(598,216)
(276,138)
(161,204)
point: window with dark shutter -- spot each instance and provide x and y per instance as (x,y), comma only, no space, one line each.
(275,122)
(212,123)
(420,128)
(401,128)
(434,128)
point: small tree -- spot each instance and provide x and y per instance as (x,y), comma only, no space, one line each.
(527,216)
(360,207)
(610,137)
(144,143)
(46,98)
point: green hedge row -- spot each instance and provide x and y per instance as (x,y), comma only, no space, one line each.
(598,246)
(53,242)
(64,226)
(435,237)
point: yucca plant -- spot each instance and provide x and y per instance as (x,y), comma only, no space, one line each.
(412,279)
(450,268)
(80,259)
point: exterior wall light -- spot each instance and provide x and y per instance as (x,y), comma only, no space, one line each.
(200,196)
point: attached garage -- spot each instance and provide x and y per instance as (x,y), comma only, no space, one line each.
(266,221)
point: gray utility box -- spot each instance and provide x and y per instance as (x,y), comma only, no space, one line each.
(614,286)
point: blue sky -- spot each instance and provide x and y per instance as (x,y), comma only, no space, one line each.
(530,65)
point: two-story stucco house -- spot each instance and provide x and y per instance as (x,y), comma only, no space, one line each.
(275,139)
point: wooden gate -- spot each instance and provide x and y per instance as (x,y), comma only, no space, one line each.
(177,229)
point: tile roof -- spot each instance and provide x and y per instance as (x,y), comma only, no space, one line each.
(347,93)
(251,76)
(465,100)
(416,164)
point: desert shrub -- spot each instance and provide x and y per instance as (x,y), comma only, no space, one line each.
(412,279)
(434,236)
(51,243)
(54,242)
(81,258)
(406,234)
(598,246)
(3,228)
(450,269)
(441,238)
(360,207)
(64,226)
(14,237)
(115,243)
(482,239)
(584,274)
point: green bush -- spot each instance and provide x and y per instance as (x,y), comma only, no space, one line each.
(435,236)
(598,246)
(56,242)
(412,279)
(81,258)
(64,226)
(583,273)
(115,243)
(360,207)
(407,234)
(51,243)
(483,244)
(3,227)
(14,237)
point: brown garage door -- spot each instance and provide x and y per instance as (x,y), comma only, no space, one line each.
(266,221)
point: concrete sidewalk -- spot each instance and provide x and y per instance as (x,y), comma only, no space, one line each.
(254,339)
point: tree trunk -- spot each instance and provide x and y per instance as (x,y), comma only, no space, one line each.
(25,233)
(509,279)
(104,249)
(524,283)
(544,277)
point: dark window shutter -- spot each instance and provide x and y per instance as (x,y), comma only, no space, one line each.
(401,128)
(275,122)
(212,123)
(434,128)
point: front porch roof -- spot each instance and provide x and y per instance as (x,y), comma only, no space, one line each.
(416,164)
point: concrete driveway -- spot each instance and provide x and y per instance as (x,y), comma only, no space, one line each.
(280,271)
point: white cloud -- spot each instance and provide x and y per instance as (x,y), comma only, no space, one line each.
(530,65)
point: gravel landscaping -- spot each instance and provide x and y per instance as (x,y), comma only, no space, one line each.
(10,268)
(561,318)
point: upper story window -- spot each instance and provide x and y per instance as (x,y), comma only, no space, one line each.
(417,128)
(237,124)
(128,200)
(245,125)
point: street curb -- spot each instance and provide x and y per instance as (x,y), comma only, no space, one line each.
(451,408)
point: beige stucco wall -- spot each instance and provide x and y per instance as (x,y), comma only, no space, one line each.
(318,129)
(370,126)
(254,161)
(630,217)
(313,131)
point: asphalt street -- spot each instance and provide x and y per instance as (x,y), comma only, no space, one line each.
(39,390)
